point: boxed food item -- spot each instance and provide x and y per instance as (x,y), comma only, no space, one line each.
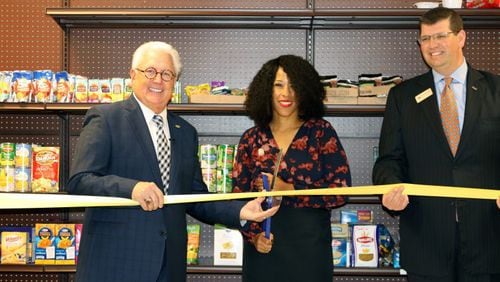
(78,237)
(356,216)
(228,246)
(14,247)
(45,170)
(44,243)
(193,243)
(65,244)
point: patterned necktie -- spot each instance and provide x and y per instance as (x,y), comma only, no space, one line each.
(449,116)
(163,151)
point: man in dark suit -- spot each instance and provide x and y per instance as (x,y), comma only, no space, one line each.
(118,154)
(427,139)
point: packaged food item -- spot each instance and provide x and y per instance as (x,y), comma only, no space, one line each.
(128,89)
(5,86)
(22,86)
(14,247)
(94,91)
(45,170)
(365,248)
(105,89)
(193,243)
(228,246)
(118,88)
(65,244)
(81,89)
(42,80)
(482,4)
(62,82)
(44,243)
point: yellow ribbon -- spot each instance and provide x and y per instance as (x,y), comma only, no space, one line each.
(32,200)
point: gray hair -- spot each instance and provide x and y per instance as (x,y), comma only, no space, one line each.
(161,46)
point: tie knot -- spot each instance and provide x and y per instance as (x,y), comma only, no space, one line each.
(447,81)
(158,120)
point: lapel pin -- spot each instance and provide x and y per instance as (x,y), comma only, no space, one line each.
(177,126)
(474,88)
(424,95)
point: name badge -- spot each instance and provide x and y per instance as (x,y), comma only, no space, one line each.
(424,95)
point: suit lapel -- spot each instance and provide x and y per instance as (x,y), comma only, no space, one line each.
(431,110)
(175,155)
(472,107)
(138,125)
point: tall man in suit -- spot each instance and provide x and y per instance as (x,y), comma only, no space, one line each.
(118,154)
(425,141)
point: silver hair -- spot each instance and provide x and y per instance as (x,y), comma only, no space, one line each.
(162,46)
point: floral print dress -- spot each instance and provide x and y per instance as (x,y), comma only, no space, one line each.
(314,159)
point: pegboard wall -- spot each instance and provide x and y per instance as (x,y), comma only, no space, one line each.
(30,40)
(232,55)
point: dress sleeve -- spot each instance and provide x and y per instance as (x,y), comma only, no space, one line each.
(244,176)
(329,160)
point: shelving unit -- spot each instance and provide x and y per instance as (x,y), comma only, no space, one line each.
(219,42)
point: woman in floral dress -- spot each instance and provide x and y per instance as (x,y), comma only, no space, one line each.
(285,100)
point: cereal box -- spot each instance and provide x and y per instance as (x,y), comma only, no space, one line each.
(44,243)
(45,170)
(65,243)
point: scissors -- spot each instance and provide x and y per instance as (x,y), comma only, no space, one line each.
(269,200)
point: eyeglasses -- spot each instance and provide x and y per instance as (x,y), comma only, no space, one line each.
(438,37)
(151,73)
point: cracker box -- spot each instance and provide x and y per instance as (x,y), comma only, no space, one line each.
(14,247)
(44,243)
(65,243)
(228,246)
(45,170)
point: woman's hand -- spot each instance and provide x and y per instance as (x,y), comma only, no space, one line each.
(262,244)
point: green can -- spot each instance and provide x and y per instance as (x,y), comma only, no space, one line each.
(225,156)
(7,153)
(208,156)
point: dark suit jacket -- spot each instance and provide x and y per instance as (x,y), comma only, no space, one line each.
(113,153)
(414,149)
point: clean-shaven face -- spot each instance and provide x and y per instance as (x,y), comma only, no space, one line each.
(154,93)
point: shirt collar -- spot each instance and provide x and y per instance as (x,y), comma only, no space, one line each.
(459,75)
(148,113)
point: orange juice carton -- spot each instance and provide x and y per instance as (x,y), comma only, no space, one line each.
(65,243)
(44,243)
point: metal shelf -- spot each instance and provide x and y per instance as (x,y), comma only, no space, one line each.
(188,109)
(358,271)
(204,18)
(246,18)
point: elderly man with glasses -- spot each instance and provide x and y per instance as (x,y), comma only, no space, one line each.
(138,149)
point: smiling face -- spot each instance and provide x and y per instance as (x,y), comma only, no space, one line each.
(284,103)
(444,56)
(154,93)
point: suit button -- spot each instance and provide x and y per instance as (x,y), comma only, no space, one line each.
(163,234)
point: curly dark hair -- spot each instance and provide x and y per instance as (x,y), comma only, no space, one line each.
(304,80)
